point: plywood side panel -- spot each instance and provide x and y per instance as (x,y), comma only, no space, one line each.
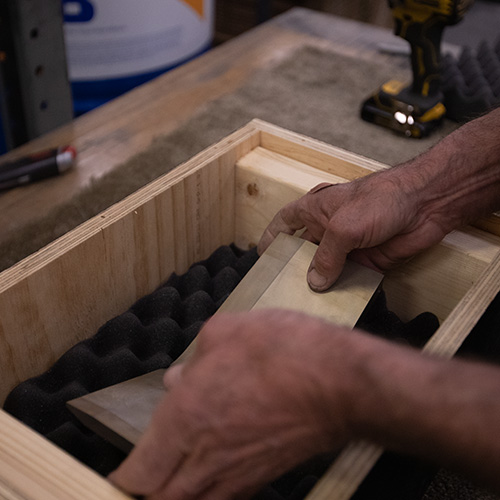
(65,292)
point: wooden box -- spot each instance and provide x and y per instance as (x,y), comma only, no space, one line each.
(228,193)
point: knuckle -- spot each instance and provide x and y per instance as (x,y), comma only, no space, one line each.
(345,229)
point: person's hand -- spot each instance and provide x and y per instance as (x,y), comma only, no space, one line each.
(249,405)
(377,220)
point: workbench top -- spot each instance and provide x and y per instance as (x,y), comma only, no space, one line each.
(110,135)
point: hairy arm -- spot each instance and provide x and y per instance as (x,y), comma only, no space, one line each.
(386,218)
(444,411)
(267,390)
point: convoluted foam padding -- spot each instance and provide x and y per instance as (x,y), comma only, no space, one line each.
(150,335)
(153,332)
(471,83)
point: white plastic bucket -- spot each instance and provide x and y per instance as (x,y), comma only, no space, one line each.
(114,45)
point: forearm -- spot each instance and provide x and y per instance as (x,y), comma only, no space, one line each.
(443,411)
(459,179)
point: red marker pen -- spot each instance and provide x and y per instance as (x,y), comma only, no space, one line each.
(36,166)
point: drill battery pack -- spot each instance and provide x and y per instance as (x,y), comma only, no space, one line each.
(396,107)
(470,86)
(416,109)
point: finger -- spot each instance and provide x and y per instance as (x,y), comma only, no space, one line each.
(369,257)
(182,487)
(287,221)
(201,483)
(328,261)
(153,461)
(194,477)
(224,491)
(307,235)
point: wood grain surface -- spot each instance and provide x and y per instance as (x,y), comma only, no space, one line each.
(112,134)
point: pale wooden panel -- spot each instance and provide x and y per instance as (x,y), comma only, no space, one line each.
(254,285)
(121,413)
(315,153)
(343,304)
(439,278)
(286,169)
(265,182)
(65,292)
(278,280)
(434,281)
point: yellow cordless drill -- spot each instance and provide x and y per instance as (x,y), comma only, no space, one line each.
(416,109)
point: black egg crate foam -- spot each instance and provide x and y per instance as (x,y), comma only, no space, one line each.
(149,336)
(471,82)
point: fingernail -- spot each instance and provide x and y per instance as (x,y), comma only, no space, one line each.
(320,187)
(316,281)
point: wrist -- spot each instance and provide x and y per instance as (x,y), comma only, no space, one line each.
(353,375)
(374,399)
(458,180)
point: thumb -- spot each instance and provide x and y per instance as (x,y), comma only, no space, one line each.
(173,376)
(155,457)
(326,265)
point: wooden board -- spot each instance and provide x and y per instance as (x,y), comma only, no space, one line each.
(278,280)
(121,413)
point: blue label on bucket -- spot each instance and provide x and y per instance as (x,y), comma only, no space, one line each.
(92,94)
(78,11)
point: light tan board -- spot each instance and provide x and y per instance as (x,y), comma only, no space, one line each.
(279,281)
(122,412)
